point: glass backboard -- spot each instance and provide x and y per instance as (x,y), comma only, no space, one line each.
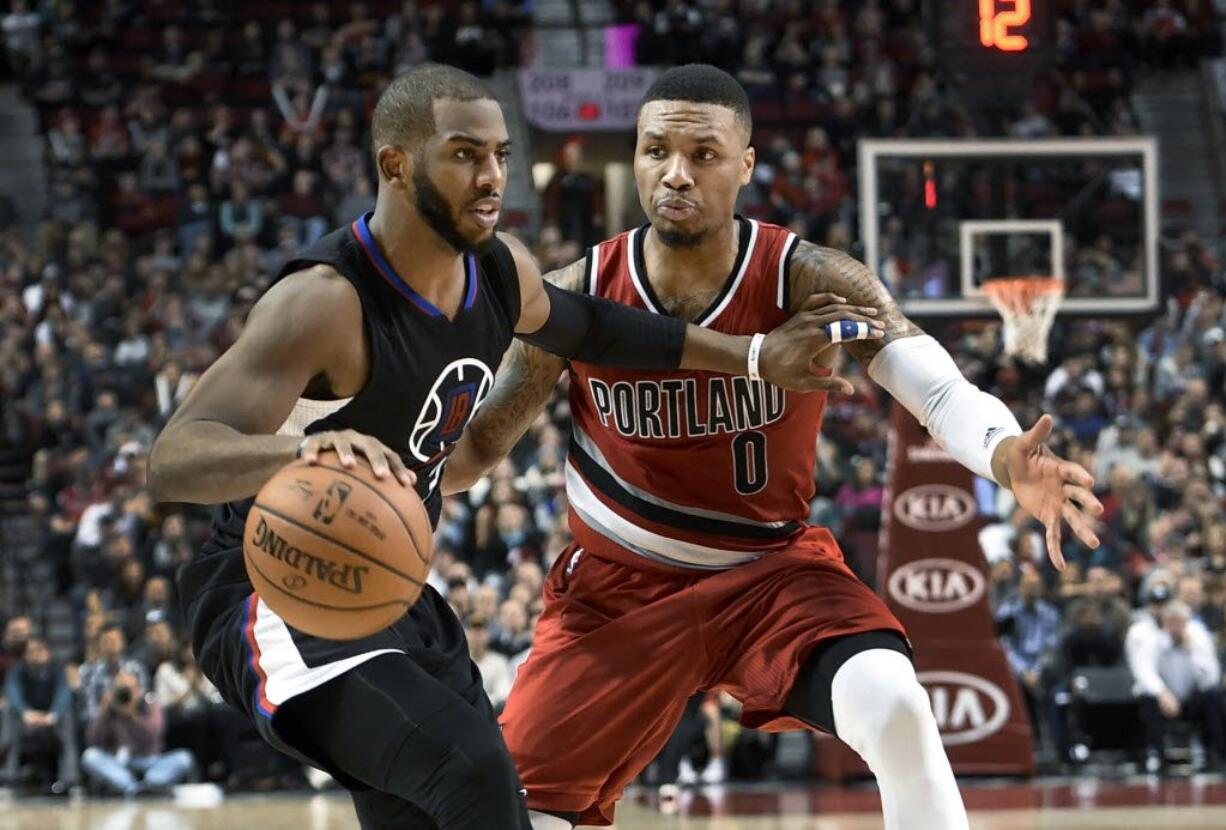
(940,217)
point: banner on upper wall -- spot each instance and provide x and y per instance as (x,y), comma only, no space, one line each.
(574,100)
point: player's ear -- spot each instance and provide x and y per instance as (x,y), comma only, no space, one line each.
(747,162)
(395,166)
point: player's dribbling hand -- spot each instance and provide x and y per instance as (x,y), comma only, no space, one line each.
(348,444)
(789,351)
(1048,487)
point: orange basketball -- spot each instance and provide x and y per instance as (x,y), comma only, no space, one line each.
(336,552)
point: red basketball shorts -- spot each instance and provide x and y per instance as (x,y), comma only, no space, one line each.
(623,643)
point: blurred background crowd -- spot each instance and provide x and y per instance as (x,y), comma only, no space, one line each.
(191,149)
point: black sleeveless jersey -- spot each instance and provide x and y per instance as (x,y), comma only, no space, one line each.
(427,376)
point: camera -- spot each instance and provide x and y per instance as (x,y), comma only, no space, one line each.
(123,695)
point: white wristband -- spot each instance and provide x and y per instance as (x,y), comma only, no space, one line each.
(755,352)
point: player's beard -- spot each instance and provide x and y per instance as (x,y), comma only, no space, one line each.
(674,238)
(439,215)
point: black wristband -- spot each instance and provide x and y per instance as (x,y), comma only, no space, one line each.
(604,333)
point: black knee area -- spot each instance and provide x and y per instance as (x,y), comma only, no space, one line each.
(487,770)
(810,698)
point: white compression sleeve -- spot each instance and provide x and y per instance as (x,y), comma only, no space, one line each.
(544,821)
(882,712)
(966,421)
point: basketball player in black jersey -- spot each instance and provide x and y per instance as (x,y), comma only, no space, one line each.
(379,342)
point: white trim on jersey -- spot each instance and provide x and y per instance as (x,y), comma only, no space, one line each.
(593,270)
(589,446)
(596,526)
(642,541)
(784,256)
(631,241)
(286,674)
(709,318)
(307,412)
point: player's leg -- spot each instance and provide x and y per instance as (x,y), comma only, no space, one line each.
(392,727)
(863,689)
(614,660)
(581,723)
(378,810)
(815,646)
(691,727)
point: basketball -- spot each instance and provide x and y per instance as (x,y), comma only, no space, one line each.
(336,552)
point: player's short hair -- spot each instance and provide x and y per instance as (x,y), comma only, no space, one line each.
(701,83)
(404,116)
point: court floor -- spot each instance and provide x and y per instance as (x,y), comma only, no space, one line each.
(1081,805)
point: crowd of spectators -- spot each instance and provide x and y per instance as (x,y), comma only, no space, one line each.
(1141,406)
(186,168)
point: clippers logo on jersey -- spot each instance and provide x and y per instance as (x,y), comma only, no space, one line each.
(672,408)
(453,399)
(456,411)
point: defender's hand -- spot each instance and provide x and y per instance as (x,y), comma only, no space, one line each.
(1048,487)
(789,351)
(349,443)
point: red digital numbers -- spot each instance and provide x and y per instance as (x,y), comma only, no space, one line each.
(996,18)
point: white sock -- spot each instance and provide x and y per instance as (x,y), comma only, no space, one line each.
(544,821)
(882,712)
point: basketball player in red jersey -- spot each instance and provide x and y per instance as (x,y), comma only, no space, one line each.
(692,567)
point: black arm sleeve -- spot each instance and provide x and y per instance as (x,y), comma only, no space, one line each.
(601,332)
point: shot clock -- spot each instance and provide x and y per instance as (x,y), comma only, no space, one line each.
(991,47)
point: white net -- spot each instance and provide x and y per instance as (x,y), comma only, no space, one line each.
(1028,308)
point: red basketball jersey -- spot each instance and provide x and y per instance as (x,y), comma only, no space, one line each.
(692,468)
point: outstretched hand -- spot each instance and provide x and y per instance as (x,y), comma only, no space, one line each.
(789,352)
(1052,489)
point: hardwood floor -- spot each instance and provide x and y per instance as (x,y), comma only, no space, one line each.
(1076,805)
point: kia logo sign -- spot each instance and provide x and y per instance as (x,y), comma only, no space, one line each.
(937,586)
(967,707)
(935,507)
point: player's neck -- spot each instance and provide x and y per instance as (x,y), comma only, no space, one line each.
(685,270)
(416,253)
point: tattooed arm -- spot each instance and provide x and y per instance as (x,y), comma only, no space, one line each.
(973,426)
(524,385)
(816,270)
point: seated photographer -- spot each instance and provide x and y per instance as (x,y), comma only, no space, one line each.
(125,741)
(98,675)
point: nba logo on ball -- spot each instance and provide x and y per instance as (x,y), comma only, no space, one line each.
(331,503)
(454,398)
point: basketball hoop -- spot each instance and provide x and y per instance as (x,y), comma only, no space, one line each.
(1028,307)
